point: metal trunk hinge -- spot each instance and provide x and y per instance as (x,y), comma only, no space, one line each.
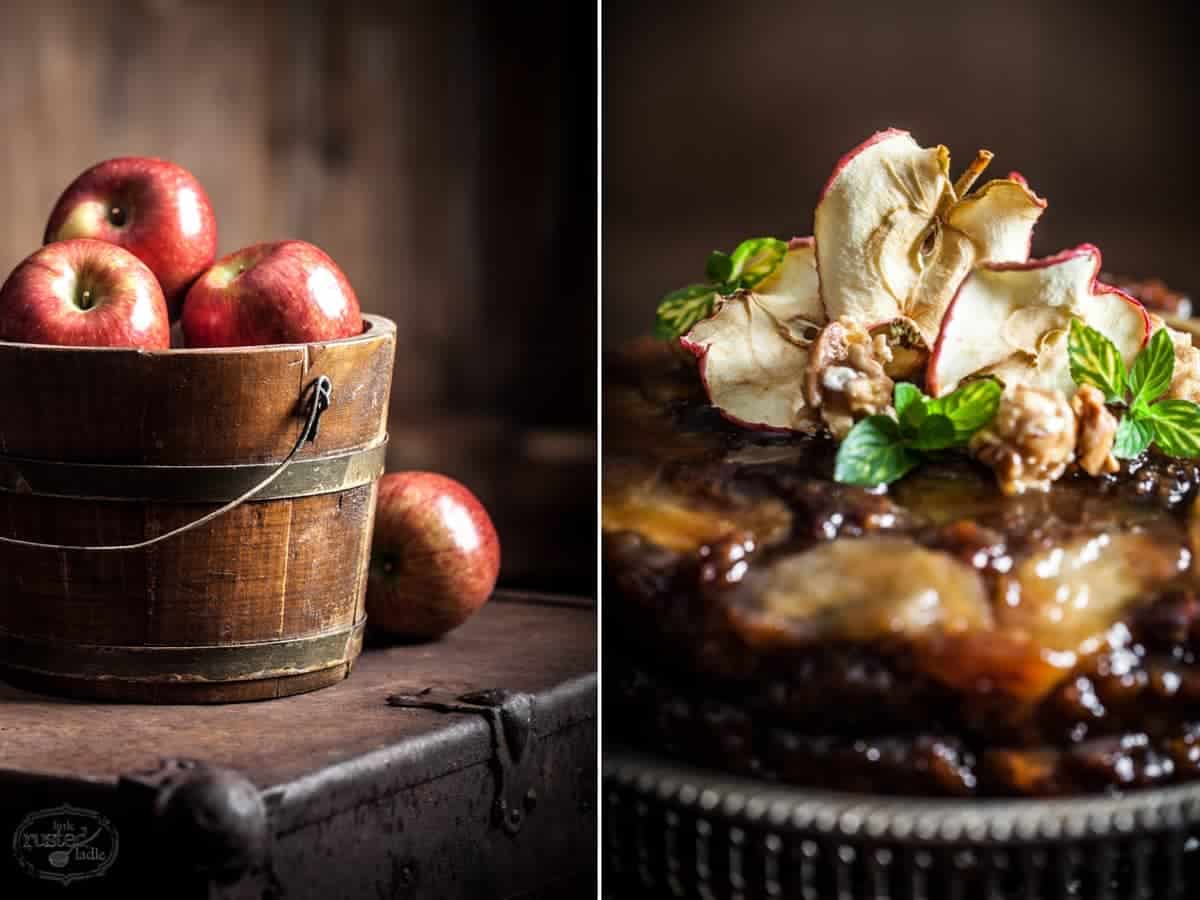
(510,717)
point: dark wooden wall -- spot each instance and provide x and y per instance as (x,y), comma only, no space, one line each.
(442,153)
(722,121)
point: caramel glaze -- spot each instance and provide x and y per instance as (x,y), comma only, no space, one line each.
(1040,688)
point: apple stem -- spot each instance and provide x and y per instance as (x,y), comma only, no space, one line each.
(968,178)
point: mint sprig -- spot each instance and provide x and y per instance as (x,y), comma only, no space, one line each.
(970,407)
(1132,437)
(742,270)
(880,449)
(1171,425)
(682,309)
(1095,360)
(1152,369)
(874,452)
(1176,425)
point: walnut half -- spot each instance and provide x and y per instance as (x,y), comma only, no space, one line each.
(845,376)
(1096,430)
(1031,440)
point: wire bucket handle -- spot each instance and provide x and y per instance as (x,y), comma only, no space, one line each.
(320,396)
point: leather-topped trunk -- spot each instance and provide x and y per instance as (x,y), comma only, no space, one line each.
(460,768)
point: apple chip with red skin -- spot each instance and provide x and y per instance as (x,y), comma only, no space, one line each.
(1011,320)
(753,350)
(895,236)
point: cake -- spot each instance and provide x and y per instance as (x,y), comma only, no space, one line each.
(1000,604)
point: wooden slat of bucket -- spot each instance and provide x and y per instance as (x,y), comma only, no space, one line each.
(364,552)
(223,584)
(331,526)
(200,409)
(362,381)
(191,407)
(52,593)
(268,572)
(264,570)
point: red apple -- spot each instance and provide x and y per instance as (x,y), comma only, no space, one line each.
(275,293)
(153,208)
(84,293)
(435,555)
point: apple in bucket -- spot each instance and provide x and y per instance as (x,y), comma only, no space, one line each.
(435,555)
(277,292)
(84,293)
(155,209)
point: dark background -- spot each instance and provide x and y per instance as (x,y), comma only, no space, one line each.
(722,121)
(442,153)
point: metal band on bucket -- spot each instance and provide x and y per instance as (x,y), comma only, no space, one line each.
(200,664)
(191,484)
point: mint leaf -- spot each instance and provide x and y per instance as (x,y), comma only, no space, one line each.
(1153,368)
(873,453)
(913,416)
(936,432)
(1133,436)
(749,264)
(1095,360)
(754,260)
(719,267)
(970,407)
(1176,426)
(905,393)
(880,450)
(681,309)
(909,403)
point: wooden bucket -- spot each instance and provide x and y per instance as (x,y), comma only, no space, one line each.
(107,447)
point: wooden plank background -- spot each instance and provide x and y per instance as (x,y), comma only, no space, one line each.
(722,121)
(442,153)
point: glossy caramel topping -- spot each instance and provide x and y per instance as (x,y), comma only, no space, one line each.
(672,519)
(988,592)
(864,589)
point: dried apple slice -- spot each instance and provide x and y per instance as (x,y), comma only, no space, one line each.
(895,237)
(1010,320)
(753,350)
(791,292)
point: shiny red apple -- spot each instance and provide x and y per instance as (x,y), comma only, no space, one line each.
(283,292)
(84,293)
(435,555)
(153,208)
